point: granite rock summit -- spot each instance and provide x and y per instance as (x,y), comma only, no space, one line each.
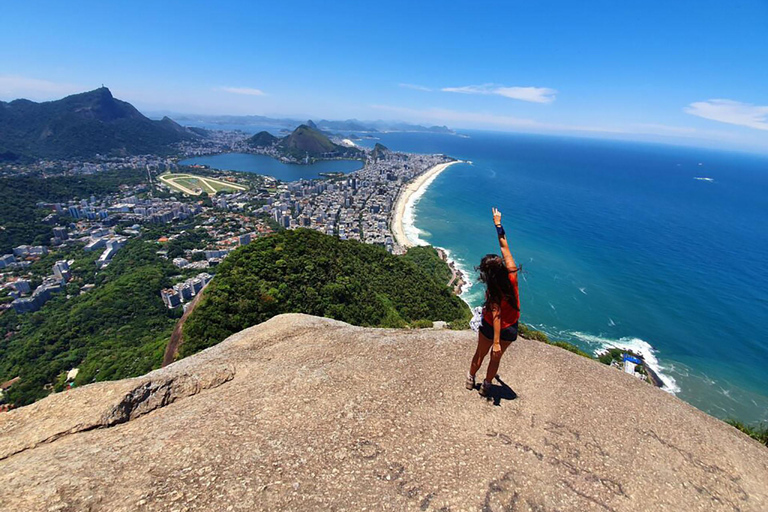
(306,413)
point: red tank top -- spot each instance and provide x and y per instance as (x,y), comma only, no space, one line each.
(509,314)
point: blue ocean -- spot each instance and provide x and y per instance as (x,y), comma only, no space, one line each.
(656,248)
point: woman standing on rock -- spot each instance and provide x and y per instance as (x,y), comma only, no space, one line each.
(501,310)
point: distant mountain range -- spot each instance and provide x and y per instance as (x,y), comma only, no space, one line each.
(90,123)
(305,141)
(83,125)
(348,126)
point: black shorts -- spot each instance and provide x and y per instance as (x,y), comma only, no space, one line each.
(508,334)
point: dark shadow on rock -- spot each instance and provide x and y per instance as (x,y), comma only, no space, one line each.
(501,392)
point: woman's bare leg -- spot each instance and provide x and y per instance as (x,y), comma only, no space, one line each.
(493,364)
(483,346)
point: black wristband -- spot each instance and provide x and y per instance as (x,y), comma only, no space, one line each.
(500,231)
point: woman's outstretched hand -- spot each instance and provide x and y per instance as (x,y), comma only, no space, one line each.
(496,216)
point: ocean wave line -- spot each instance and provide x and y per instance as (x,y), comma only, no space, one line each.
(637,346)
(461,269)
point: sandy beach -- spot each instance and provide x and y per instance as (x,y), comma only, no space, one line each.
(398,215)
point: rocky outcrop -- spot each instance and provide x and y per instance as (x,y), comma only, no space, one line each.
(102,405)
(305,413)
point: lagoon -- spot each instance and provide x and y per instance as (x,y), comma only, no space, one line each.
(268,166)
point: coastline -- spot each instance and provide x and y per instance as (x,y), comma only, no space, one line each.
(402,222)
(405,199)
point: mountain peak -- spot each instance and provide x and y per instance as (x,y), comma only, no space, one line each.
(101,94)
(64,128)
(104,91)
(262,139)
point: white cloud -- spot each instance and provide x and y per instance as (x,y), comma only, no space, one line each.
(248,91)
(532,94)
(415,87)
(731,112)
(13,86)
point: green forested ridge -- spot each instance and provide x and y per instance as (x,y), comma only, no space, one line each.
(19,216)
(82,125)
(117,330)
(427,258)
(304,271)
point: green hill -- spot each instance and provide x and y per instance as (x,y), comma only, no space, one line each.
(305,271)
(306,141)
(83,125)
(121,328)
(262,140)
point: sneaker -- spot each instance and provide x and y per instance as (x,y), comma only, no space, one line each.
(470,382)
(485,388)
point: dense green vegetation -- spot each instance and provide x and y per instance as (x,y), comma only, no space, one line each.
(757,432)
(262,139)
(427,258)
(20,218)
(83,125)
(117,330)
(188,240)
(305,271)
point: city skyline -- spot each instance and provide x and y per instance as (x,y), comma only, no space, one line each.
(687,73)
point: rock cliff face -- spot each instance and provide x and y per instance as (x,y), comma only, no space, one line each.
(305,413)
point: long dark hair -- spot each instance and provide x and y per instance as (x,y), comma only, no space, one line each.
(495,275)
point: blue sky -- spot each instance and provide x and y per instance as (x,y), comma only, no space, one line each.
(674,71)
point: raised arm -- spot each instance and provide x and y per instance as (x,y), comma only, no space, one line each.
(509,261)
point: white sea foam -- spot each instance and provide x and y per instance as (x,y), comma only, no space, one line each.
(461,266)
(704,178)
(726,393)
(409,217)
(637,346)
(611,322)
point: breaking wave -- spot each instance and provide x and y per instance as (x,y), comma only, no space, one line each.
(637,346)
